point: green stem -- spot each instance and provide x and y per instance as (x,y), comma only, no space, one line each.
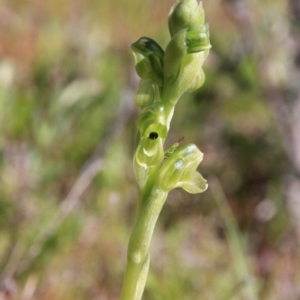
(146,191)
(138,257)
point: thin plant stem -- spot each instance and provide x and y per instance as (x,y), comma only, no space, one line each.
(138,249)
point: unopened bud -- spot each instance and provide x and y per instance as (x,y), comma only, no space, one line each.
(186,14)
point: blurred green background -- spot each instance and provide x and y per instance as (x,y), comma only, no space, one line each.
(67,132)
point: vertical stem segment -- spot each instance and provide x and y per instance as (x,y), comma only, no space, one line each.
(138,257)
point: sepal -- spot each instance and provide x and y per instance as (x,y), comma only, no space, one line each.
(175,52)
(145,94)
(192,182)
(149,60)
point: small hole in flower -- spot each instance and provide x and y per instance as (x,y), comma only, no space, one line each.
(153,135)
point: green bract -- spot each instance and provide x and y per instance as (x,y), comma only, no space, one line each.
(181,67)
(149,154)
(186,51)
(165,76)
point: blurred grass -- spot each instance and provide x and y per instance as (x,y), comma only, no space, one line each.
(66,101)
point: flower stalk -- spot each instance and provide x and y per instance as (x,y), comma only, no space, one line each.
(165,76)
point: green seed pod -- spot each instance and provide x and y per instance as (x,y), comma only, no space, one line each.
(149,60)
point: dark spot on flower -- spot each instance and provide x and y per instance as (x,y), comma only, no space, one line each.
(153,135)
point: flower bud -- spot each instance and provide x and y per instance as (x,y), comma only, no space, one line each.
(187,50)
(186,14)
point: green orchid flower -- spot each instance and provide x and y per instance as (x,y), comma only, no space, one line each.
(149,153)
(165,76)
(179,171)
(149,60)
(187,50)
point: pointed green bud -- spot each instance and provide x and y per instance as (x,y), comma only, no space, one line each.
(149,60)
(180,171)
(186,14)
(145,94)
